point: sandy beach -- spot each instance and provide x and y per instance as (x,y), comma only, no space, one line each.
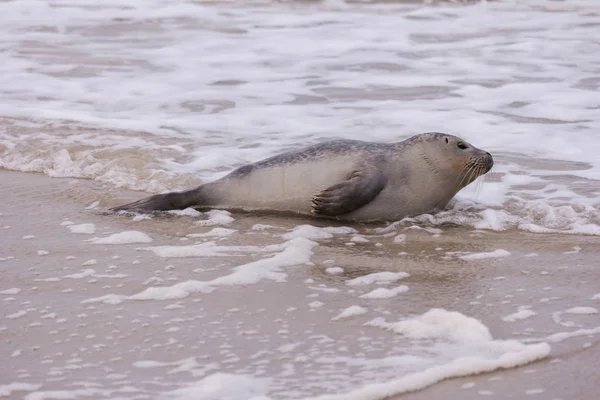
(497,296)
(58,336)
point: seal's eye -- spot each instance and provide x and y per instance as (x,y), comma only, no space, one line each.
(446,140)
(461,145)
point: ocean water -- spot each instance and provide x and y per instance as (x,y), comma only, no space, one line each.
(163,95)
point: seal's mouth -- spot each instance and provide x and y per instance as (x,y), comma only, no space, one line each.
(482,165)
(475,168)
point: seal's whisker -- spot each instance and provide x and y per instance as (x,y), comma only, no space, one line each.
(473,174)
(479,180)
(465,178)
(462,176)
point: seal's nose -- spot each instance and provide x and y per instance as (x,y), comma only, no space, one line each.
(490,162)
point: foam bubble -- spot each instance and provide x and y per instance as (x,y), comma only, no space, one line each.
(439,323)
(11,291)
(8,389)
(523,313)
(561,336)
(126,237)
(491,254)
(531,392)
(336,271)
(309,232)
(86,229)
(350,312)
(218,232)
(377,277)
(216,217)
(383,293)
(206,249)
(582,310)
(221,386)
(293,252)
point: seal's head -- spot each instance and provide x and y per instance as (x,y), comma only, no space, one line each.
(450,154)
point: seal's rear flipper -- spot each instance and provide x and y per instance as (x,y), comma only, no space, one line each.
(163,202)
(358,190)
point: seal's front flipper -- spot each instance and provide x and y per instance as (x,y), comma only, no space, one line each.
(361,187)
(163,202)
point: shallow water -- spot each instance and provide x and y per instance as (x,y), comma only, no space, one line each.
(163,95)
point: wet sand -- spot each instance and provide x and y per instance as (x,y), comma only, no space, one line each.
(52,337)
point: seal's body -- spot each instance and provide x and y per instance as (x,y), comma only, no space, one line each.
(344,179)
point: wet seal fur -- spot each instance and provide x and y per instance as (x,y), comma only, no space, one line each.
(347,180)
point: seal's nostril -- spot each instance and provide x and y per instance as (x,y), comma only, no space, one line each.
(488,153)
(490,162)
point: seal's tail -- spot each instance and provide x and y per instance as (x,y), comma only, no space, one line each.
(165,202)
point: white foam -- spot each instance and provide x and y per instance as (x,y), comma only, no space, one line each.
(8,389)
(215,232)
(359,239)
(187,212)
(377,277)
(16,315)
(350,312)
(316,304)
(582,310)
(106,299)
(523,313)
(11,291)
(83,274)
(261,227)
(531,392)
(177,291)
(436,324)
(401,238)
(308,232)
(334,270)
(561,336)
(92,205)
(383,293)
(67,394)
(150,364)
(293,252)
(216,217)
(126,237)
(86,229)
(206,249)
(222,386)
(491,254)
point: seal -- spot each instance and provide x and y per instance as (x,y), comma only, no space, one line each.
(347,180)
